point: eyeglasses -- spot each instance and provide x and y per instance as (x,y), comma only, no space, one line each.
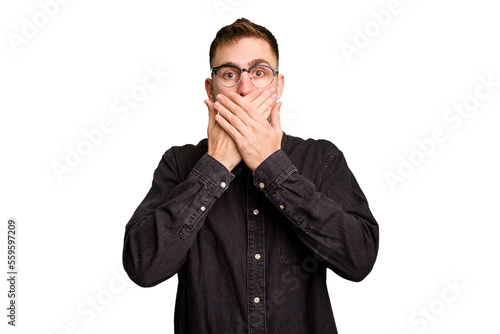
(229,75)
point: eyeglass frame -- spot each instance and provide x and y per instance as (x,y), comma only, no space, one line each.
(215,69)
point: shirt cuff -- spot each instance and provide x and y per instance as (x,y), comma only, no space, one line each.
(213,174)
(272,171)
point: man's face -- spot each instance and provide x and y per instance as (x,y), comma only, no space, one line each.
(244,53)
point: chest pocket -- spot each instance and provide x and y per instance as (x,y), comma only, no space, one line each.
(291,249)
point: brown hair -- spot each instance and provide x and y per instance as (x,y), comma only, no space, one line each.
(239,29)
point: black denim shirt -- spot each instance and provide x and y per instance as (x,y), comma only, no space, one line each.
(251,249)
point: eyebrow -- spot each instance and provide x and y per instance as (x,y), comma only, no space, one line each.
(250,64)
(259,61)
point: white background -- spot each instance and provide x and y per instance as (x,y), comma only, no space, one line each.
(438,228)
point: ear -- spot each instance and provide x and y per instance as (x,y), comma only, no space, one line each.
(210,89)
(281,84)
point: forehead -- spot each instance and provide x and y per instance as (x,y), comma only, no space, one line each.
(243,51)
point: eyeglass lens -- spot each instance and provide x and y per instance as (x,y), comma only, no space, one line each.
(260,76)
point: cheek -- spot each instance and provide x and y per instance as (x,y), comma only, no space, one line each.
(215,91)
(223,90)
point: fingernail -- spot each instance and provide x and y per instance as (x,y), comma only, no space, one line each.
(219,96)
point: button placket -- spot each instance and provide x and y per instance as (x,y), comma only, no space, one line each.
(255,257)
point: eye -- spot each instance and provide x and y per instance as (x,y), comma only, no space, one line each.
(259,73)
(230,75)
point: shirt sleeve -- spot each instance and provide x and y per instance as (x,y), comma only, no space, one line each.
(164,226)
(330,216)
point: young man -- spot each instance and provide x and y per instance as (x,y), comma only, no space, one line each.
(250,218)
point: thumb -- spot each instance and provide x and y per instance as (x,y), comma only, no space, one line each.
(275,116)
(211,114)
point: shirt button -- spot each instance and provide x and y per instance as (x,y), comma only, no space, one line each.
(256,212)
(202,208)
(281,206)
(256,300)
(257,256)
(261,185)
(223,184)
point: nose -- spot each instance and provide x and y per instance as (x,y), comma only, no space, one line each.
(245,85)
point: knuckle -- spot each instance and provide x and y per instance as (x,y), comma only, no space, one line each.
(254,127)
(249,109)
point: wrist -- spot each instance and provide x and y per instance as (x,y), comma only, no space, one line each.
(228,163)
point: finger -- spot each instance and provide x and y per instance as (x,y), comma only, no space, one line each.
(231,106)
(263,98)
(230,117)
(267,105)
(275,116)
(267,113)
(250,97)
(266,97)
(226,126)
(255,97)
